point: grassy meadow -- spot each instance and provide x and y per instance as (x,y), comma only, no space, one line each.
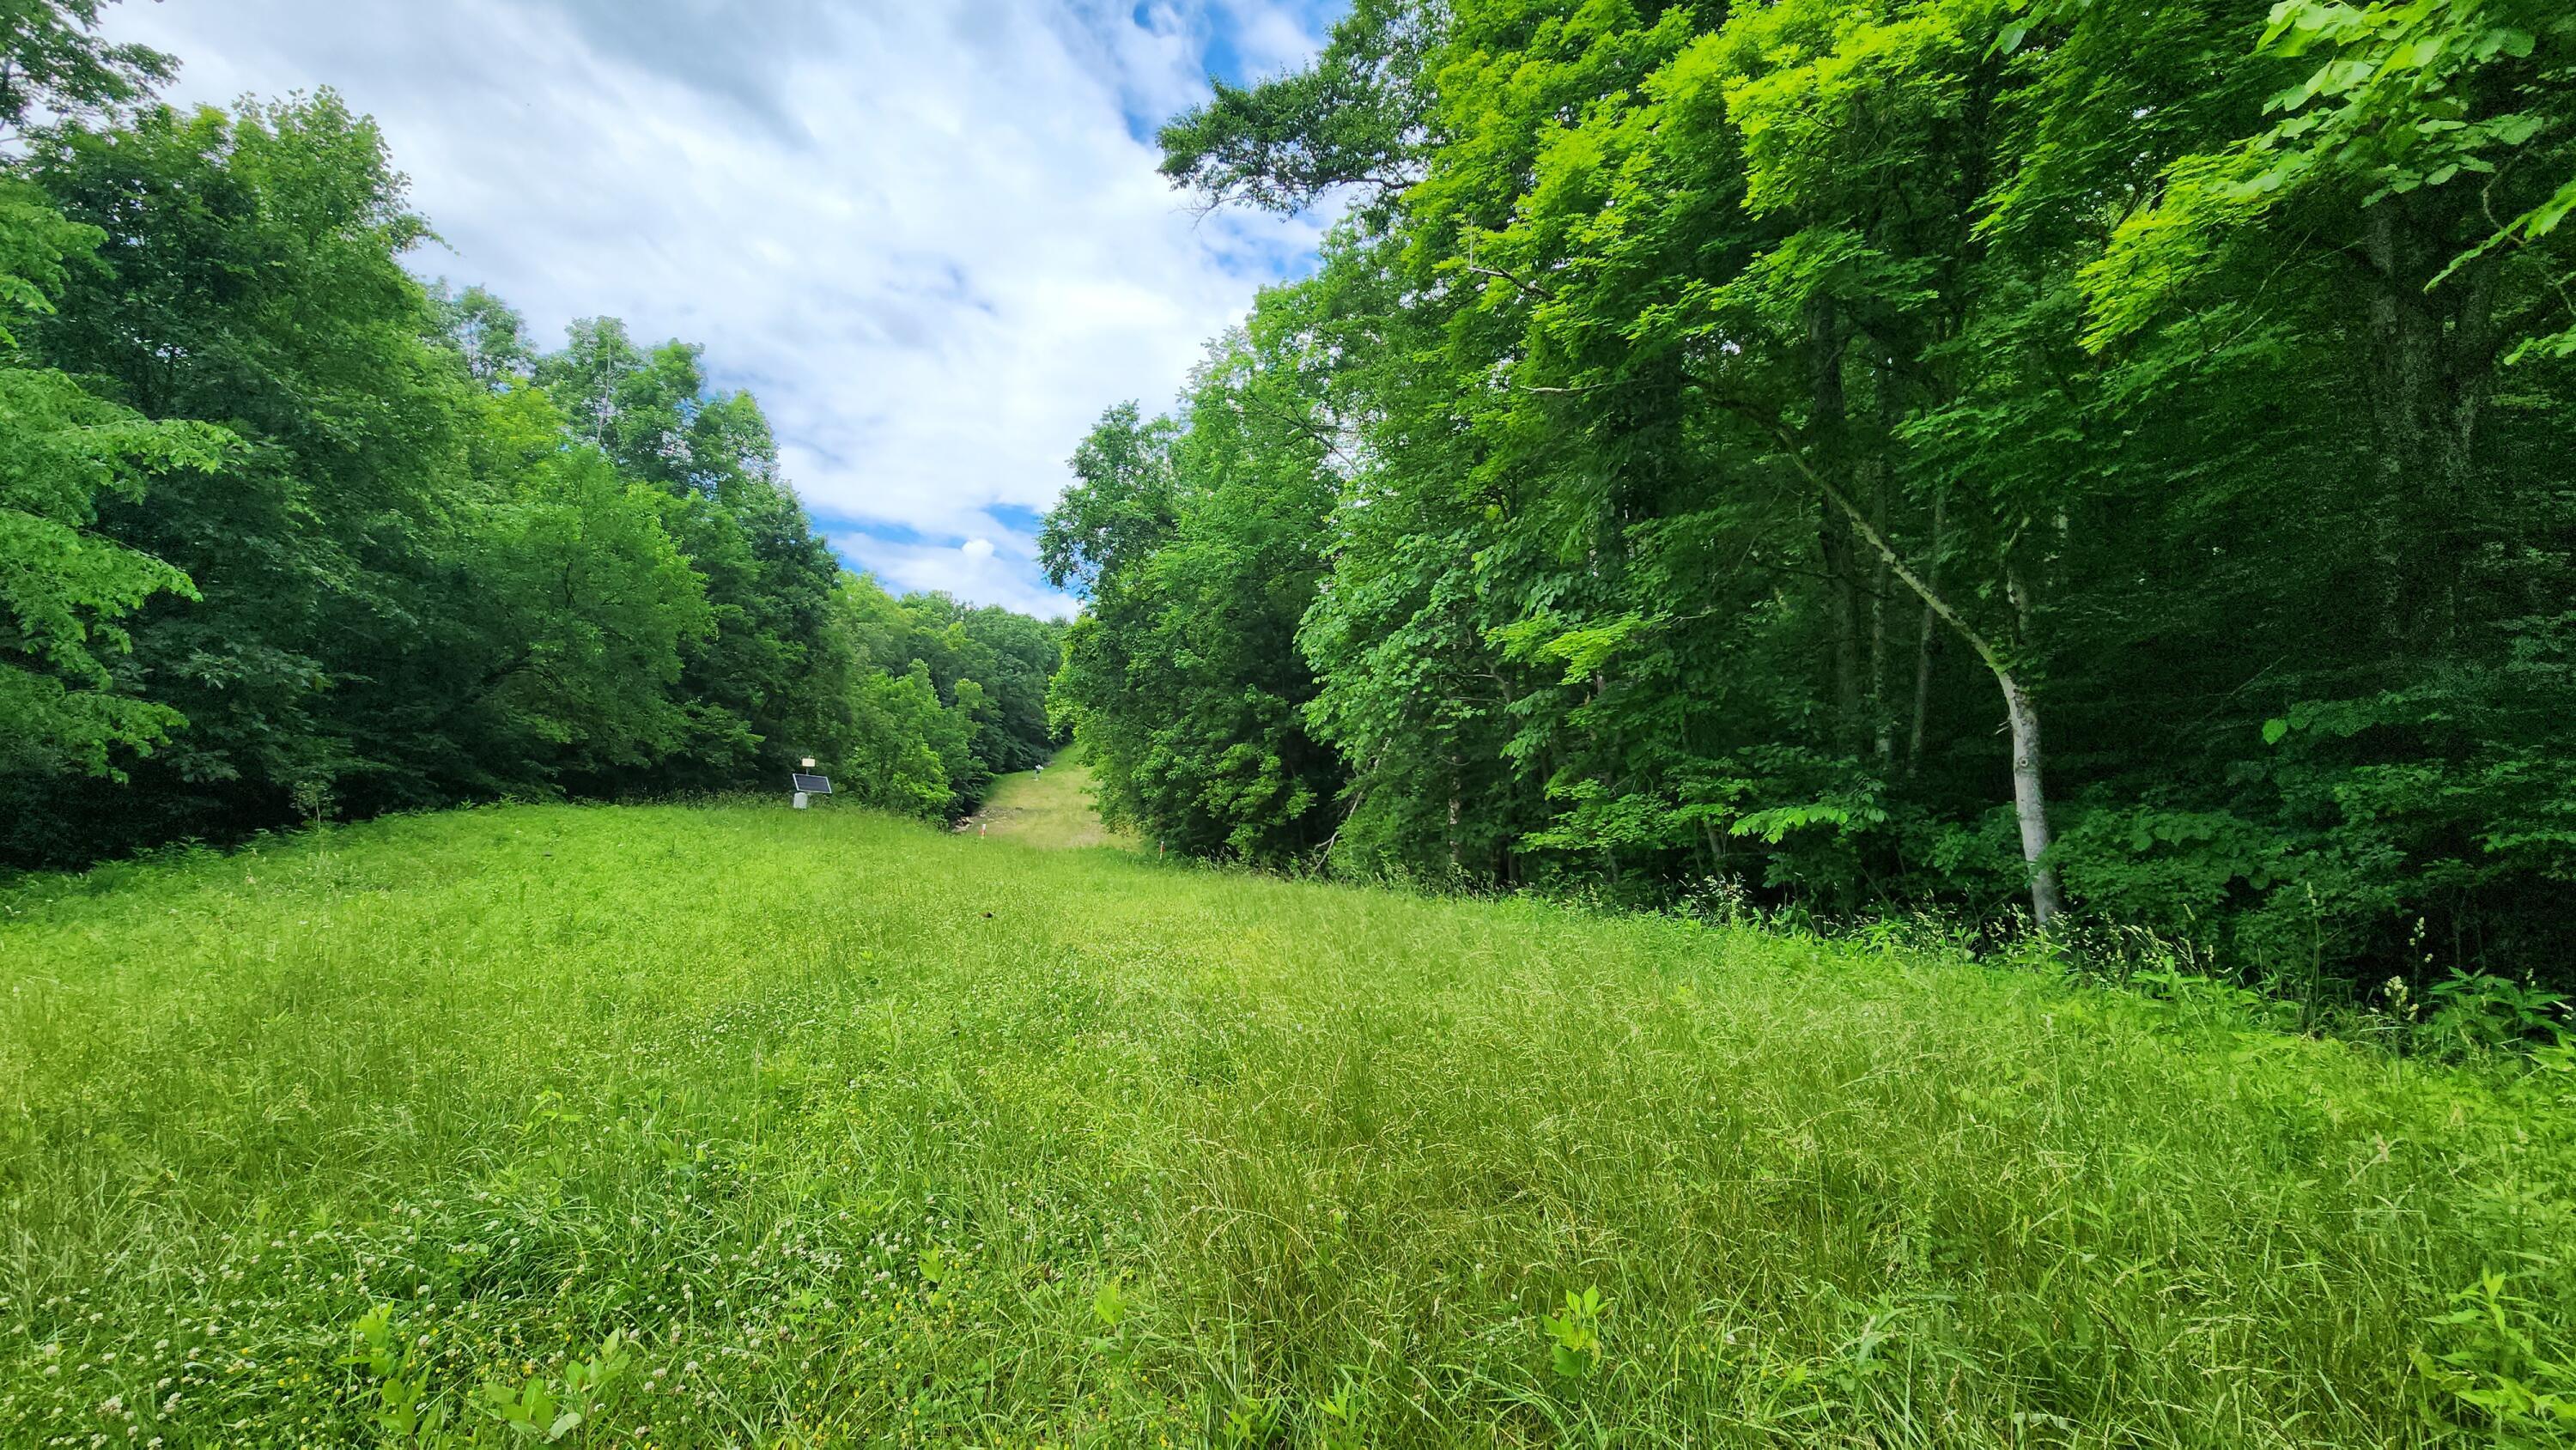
(1048,808)
(740,1126)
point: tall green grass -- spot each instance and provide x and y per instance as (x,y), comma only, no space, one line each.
(1050,808)
(746,1126)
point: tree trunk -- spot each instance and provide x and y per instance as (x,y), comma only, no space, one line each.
(2030,798)
(2432,370)
(2470,360)
(2021,717)
(2400,368)
(1926,639)
(1454,789)
(1882,722)
(1842,615)
(2021,714)
(1882,718)
(1827,424)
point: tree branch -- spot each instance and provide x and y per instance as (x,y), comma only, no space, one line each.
(1532,288)
(1932,600)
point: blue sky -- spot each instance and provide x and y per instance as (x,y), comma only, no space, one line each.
(929,235)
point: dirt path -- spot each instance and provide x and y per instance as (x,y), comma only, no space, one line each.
(1050,808)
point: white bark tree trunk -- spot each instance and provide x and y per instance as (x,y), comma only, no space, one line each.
(2030,799)
(2021,714)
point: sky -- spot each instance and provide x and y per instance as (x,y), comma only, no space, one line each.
(928,234)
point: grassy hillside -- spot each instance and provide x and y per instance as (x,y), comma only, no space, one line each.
(1049,808)
(859,1132)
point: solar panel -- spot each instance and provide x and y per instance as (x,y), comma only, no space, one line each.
(813,784)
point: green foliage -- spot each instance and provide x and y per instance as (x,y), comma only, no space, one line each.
(406,1407)
(2495,1376)
(274,516)
(63,588)
(1574,1334)
(59,67)
(2474,1012)
(2452,112)
(1950,454)
(948,697)
(403,1414)
(1197,543)
(543,1411)
(486,333)
(597,605)
(1352,119)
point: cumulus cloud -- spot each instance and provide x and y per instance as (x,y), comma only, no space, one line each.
(1001,574)
(929,236)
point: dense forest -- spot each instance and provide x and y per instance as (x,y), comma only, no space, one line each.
(1986,459)
(284,532)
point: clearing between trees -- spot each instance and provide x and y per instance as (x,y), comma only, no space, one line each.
(1049,808)
(662,1126)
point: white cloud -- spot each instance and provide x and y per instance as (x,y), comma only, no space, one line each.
(990,575)
(926,235)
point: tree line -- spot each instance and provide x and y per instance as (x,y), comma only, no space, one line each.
(2007,459)
(282,530)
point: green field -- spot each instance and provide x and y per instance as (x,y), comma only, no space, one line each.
(855,1131)
(1049,808)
